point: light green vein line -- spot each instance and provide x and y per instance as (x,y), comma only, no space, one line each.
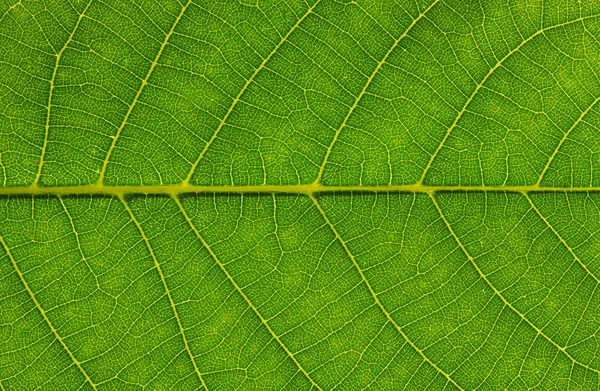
(244,88)
(39,307)
(2,386)
(534,207)
(485,78)
(497,292)
(239,290)
(74,230)
(83,257)
(171,190)
(167,290)
(52,79)
(139,92)
(12,7)
(376,298)
(367,84)
(564,138)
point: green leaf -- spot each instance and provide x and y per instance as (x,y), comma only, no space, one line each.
(266,194)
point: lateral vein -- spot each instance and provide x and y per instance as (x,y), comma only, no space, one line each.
(482,82)
(139,92)
(499,294)
(49,105)
(45,316)
(244,88)
(239,290)
(167,290)
(564,138)
(376,298)
(366,86)
(564,243)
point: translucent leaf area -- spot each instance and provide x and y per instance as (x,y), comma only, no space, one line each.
(290,195)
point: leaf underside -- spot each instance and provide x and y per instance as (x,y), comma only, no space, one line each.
(280,194)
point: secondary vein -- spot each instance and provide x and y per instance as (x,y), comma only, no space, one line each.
(366,86)
(482,82)
(45,316)
(376,298)
(239,290)
(564,243)
(139,92)
(499,294)
(49,105)
(244,88)
(564,138)
(167,290)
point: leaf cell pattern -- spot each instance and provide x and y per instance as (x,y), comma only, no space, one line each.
(299,195)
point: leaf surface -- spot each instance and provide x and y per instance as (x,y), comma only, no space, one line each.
(321,195)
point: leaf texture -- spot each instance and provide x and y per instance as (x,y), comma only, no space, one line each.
(299,195)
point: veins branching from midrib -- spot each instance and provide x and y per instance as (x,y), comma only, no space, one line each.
(139,92)
(366,86)
(158,268)
(564,138)
(376,298)
(499,293)
(262,65)
(560,238)
(482,82)
(244,88)
(51,91)
(241,292)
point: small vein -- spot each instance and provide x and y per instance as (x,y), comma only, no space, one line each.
(79,247)
(485,78)
(45,316)
(139,92)
(534,207)
(499,294)
(50,94)
(244,88)
(564,138)
(366,86)
(376,298)
(239,290)
(167,290)
(10,8)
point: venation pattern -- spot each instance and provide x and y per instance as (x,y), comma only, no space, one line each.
(299,195)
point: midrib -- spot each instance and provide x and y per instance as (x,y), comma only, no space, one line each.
(177,189)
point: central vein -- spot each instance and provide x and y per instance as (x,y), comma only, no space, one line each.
(177,189)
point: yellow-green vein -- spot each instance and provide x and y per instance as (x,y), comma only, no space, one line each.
(167,290)
(499,294)
(45,316)
(239,290)
(534,207)
(177,189)
(375,297)
(564,138)
(244,88)
(49,105)
(139,92)
(482,82)
(10,8)
(366,86)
